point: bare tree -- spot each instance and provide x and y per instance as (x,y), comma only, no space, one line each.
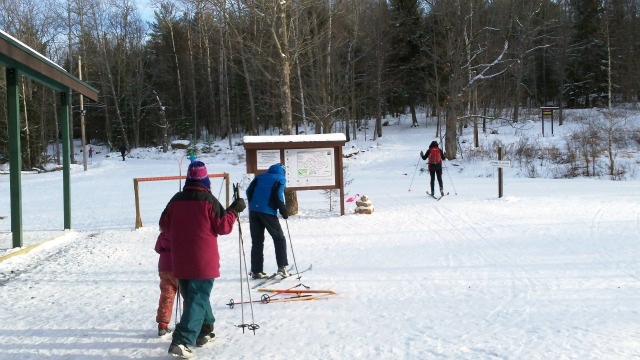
(164,124)
(166,14)
(461,48)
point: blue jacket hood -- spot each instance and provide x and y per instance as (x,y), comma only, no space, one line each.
(277,169)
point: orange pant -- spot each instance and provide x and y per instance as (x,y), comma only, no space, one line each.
(168,289)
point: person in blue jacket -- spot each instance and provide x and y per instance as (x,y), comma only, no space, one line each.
(266,197)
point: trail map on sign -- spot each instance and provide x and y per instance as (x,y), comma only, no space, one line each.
(266,158)
(310,167)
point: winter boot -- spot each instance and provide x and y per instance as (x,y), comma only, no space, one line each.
(180,350)
(258,275)
(206,335)
(441,192)
(202,340)
(163,329)
(282,271)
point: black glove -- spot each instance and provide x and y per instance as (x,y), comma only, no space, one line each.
(238,205)
(284,213)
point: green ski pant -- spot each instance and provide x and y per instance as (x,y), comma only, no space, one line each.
(197,317)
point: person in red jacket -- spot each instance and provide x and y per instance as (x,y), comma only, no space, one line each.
(168,283)
(434,157)
(195,218)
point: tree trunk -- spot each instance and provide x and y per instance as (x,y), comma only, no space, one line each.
(303,112)
(70,93)
(27,135)
(610,129)
(164,124)
(194,96)
(57,127)
(451,143)
(175,56)
(224,130)
(412,108)
(112,89)
(253,129)
(211,126)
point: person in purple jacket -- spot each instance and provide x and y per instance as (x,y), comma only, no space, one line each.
(168,283)
(195,218)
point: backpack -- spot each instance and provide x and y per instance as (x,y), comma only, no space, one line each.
(434,156)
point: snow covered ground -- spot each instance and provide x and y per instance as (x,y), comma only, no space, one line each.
(549,271)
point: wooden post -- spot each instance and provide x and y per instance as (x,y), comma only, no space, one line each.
(547,110)
(499,172)
(137,197)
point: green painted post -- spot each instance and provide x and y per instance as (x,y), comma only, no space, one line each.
(15,161)
(66,158)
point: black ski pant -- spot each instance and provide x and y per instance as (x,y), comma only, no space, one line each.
(258,222)
(435,170)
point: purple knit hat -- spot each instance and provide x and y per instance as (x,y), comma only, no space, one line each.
(198,172)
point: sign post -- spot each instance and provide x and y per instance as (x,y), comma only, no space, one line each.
(547,111)
(500,164)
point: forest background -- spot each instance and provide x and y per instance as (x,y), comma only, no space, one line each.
(204,69)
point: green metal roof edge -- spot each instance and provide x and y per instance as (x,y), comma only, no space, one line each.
(39,76)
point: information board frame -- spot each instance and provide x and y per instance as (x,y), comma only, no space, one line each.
(300,147)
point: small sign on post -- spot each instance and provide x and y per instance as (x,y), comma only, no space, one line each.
(500,163)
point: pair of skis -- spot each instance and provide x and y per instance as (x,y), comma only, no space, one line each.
(299,292)
(437,198)
(275,278)
(290,295)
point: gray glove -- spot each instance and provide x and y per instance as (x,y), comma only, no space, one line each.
(238,205)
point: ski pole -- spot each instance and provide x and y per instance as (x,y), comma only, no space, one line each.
(265,299)
(241,256)
(454,188)
(292,253)
(180,172)
(178,315)
(414,174)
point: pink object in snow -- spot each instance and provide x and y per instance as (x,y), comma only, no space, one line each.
(353,198)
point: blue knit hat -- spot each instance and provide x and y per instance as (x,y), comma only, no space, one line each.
(198,172)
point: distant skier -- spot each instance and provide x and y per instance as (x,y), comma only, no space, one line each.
(434,157)
(123,151)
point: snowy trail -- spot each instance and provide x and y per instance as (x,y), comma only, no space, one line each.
(549,271)
(455,286)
